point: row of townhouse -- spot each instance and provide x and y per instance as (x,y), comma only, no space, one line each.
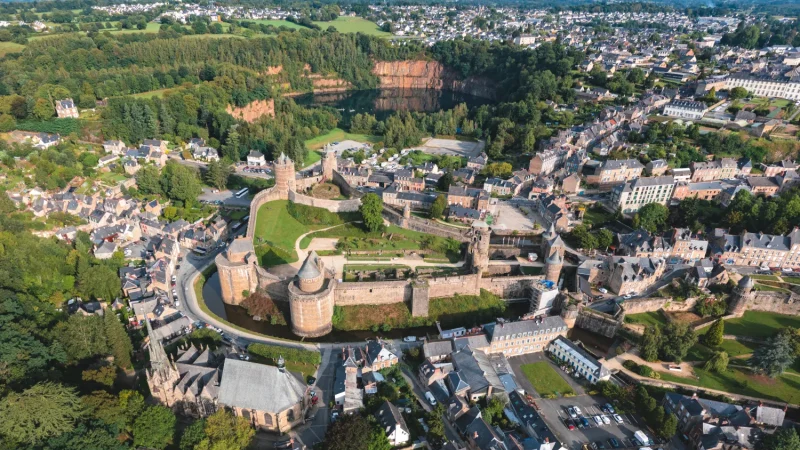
(756,249)
(678,245)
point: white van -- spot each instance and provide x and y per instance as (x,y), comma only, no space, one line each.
(430,398)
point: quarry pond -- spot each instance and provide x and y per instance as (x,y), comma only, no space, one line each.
(238,316)
(382,102)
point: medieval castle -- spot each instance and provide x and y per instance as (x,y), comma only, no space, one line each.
(314,291)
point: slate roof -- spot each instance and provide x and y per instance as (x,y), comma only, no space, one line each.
(389,418)
(259,387)
(497,331)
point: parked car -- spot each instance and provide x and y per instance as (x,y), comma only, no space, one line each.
(311,381)
(577,410)
(609,408)
(585,422)
(572,413)
(430,398)
(410,339)
(603,290)
(618,418)
(613,443)
(598,420)
(570,424)
(605,419)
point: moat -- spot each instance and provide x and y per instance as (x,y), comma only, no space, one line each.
(382,102)
(238,316)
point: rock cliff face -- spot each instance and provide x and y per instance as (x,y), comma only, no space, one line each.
(429,75)
(253,110)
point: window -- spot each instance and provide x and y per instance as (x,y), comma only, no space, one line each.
(290,415)
(267,420)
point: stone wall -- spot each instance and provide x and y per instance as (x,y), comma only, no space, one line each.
(265,196)
(372,293)
(512,287)
(597,322)
(330,205)
(420,298)
(777,302)
(643,305)
(312,313)
(344,186)
(450,286)
(425,226)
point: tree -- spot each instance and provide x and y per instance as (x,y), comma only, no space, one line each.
(180,183)
(38,413)
(718,363)
(498,169)
(148,180)
(676,340)
(89,436)
(668,427)
(193,435)
(218,173)
(154,428)
(737,93)
(82,336)
(371,212)
(774,356)
(438,207)
(648,348)
(781,439)
(715,333)
(132,404)
(104,374)
(652,217)
(99,282)
(443,185)
(355,431)
(225,431)
(42,109)
(436,424)
(604,238)
(119,343)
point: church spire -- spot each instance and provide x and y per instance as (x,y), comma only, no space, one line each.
(159,361)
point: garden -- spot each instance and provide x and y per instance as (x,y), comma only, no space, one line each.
(546,380)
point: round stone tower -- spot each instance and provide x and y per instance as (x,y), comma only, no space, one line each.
(285,178)
(237,270)
(741,296)
(311,298)
(552,267)
(570,315)
(479,246)
(328,164)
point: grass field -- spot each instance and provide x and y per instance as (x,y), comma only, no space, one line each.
(545,379)
(760,324)
(312,158)
(151,28)
(10,47)
(785,388)
(336,135)
(152,94)
(275,226)
(278,23)
(648,318)
(354,25)
(734,348)
(597,216)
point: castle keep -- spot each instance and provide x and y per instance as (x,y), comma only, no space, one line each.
(314,291)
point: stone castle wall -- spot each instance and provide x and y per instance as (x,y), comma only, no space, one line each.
(235,279)
(312,313)
(642,305)
(597,322)
(344,186)
(265,196)
(372,293)
(331,205)
(415,223)
(456,285)
(510,287)
(776,302)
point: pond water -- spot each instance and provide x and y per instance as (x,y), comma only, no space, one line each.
(238,316)
(382,102)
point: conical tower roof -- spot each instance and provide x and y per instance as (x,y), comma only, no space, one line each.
(555,258)
(309,270)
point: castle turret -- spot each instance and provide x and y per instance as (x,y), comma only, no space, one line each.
(285,177)
(311,299)
(479,247)
(552,268)
(328,164)
(237,270)
(406,215)
(740,296)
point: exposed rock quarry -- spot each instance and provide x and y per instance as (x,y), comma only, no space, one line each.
(428,75)
(322,85)
(253,110)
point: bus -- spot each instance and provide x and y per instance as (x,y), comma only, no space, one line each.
(242,193)
(245,218)
(236,226)
(200,251)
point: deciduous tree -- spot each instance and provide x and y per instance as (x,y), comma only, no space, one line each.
(371,212)
(154,428)
(438,207)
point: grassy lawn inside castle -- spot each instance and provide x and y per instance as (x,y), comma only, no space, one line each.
(785,388)
(760,324)
(460,310)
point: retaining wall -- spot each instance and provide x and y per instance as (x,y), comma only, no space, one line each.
(330,205)
(509,287)
(372,293)
(425,226)
(642,305)
(777,302)
(597,322)
(344,186)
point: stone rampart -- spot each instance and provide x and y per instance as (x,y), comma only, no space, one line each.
(330,205)
(265,196)
(450,286)
(372,293)
(513,287)
(415,223)
(597,322)
(776,302)
(344,186)
(643,305)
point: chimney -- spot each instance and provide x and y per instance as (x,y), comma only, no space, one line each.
(694,395)
(475,435)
